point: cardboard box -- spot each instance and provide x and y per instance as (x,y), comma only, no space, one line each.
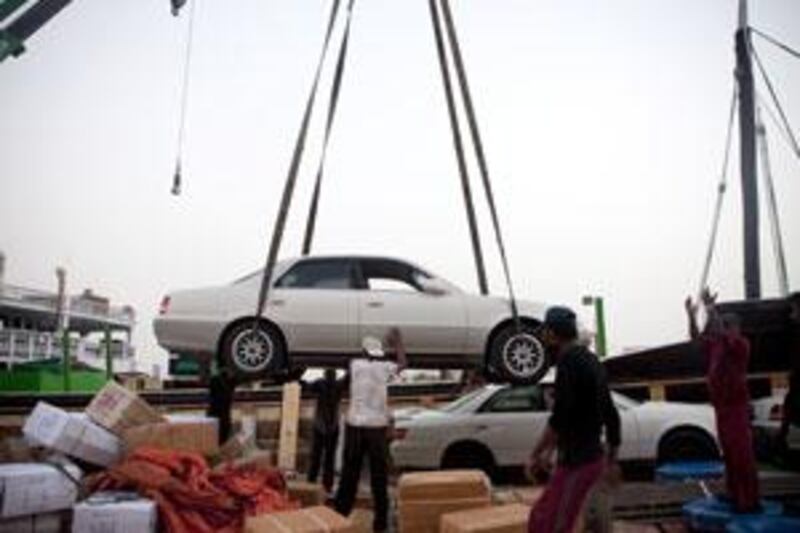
(424,497)
(196,434)
(308,494)
(310,520)
(38,523)
(501,519)
(36,488)
(115,512)
(117,409)
(72,434)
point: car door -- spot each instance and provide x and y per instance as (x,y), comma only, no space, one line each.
(391,296)
(314,304)
(510,422)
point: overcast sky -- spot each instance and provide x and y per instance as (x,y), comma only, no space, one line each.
(603,124)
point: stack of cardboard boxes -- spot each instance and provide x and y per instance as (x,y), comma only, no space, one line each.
(40,490)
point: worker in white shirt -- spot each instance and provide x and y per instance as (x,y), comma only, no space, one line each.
(367,427)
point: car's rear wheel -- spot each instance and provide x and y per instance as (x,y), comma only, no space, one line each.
(687,445)
(253,350)
(517,355)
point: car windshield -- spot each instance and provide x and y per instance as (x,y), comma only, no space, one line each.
(458,403)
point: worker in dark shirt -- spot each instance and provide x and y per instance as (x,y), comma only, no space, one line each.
(328,391)
(727,354)
(582,408)
(221,389)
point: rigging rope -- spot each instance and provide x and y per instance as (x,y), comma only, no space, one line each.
(721,189)
(479,152)
(772,203)
(311,221)
(459,149)
(784,119)
(176,177)
(291,177)
(786,48)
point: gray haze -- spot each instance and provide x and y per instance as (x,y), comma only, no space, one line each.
(604,125)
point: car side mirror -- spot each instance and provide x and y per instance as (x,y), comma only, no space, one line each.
(432,286)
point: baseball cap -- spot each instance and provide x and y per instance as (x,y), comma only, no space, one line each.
(372,347)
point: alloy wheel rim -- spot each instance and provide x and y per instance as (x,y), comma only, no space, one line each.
(252,351)
(523,355)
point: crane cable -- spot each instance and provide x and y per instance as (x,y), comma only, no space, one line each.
(311,220)
(291,177)
(785,47)
(479,153)
(459,149)
(177,177)
(774,95)
(721,189)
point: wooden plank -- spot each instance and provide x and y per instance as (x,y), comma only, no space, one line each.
(290,423)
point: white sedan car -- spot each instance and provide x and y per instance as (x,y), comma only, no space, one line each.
(319,309)
(497,427)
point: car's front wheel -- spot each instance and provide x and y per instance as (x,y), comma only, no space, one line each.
(253,350)
(517,355)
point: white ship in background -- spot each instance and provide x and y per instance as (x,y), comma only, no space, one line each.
(31,320)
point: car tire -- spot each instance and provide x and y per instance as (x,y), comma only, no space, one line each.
(517,356)
(254,353)
(469,456)
(687,445)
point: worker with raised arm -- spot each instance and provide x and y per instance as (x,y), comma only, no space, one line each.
(727,354)
(328,391)
(582,408)
(367,427)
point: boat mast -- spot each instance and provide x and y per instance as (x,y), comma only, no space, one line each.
(747,129)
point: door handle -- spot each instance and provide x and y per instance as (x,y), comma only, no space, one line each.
(374,304)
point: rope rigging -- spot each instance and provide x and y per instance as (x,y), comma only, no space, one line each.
(774,95)
(291,177)
(772,204)
(458,145)
(786,48)
(479,152)
(721,189)
(177,177)
(311,220)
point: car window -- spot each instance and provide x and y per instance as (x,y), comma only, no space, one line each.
(458,403)
(516,400)
(389,275)
(327,274)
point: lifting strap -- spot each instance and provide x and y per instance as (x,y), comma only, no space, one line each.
(479,152)
(721,189)
(187,62)
(311,221)
(459,149)
(291,177)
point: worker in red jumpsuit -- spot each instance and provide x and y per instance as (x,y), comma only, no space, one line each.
(727,354)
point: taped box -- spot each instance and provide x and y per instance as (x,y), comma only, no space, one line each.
(186,433)
(501,519)
(310,520)
(73,434)
(38,523)
(37,488)
(115,512)
(307,494)
(424,497)
(117,409)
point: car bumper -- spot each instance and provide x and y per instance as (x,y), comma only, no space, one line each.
(187,334)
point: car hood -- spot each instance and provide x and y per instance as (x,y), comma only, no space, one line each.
(411,415)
